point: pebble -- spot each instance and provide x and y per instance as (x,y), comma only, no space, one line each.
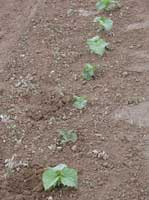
(106,90)
(22,55)
(103,155)
(118,95)
(131,47)
(106,112)
(75,77)
(125,74)
(52,147)
(100,136)
(114,188)
(95,152)
(59,148)
(74,148)
(50,198)
(105,164)
(84,82)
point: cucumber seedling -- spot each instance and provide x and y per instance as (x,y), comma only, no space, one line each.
(107,4)
(88,72)
(58,176)
(104,23)
(67,136)
(97,45)
(80,102)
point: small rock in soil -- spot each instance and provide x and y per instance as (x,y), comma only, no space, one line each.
(74,148)
(105,164)
(50,198)
(95,152)
(59,148)
(52,147)
(125,74)
(103,155)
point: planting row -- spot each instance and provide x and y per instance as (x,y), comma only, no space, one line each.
(62,175)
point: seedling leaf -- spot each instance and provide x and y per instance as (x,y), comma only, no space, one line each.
(68,136)
(105,23)
(102,4)
(49,179)
(80,102)
(59,175)
(69,177)
(88,71)
(97,45)
(107,4)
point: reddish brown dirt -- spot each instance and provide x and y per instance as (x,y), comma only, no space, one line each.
(42,52)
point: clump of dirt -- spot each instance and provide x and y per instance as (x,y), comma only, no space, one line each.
(42,54)
(46,104)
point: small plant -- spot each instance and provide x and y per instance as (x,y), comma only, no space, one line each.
(135,100)
(105,23)
(12,164)
(61,175)
(107,4)
(97,45)
(80,102)
(88,72)
(67,136)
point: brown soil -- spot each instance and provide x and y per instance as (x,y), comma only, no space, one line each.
(42,52)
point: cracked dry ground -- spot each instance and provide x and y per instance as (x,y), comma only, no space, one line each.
(42,52)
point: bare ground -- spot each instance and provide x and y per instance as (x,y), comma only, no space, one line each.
(42,52)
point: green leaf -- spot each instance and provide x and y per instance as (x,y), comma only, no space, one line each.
(70,177)
(104,22)
(68,136)
(107,4)
(103,4)
(49,178)
(59,175)
(80,102)
(97,45)
(88,72)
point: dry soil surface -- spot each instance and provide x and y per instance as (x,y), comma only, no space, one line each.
(42,52)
